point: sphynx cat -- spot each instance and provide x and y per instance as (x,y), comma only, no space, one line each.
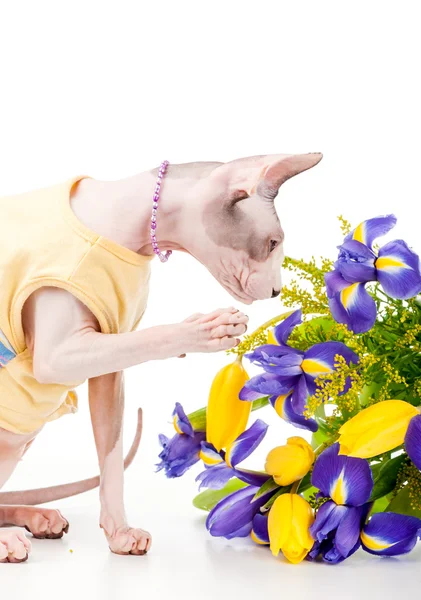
(223,214)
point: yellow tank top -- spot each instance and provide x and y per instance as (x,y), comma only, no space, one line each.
(42,242)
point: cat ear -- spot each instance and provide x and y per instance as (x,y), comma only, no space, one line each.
(263,174)
(280,169)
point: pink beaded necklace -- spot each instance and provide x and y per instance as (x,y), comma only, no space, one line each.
(163,256)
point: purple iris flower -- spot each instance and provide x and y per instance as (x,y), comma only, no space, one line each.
(348,482)
(413,441)
(181,451)
(289,374)
(390,534)
(260,530)
(396,267)
(221,466)
(234,516)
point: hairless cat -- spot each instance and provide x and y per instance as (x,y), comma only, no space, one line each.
(222,214)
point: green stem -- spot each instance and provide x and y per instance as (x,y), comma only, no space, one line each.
(271,322)
(295,487)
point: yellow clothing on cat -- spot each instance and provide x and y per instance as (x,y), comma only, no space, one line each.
(43,243)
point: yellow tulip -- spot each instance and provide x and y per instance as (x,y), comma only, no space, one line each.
(376,429)
(291,462)
(288,523)
(226,414)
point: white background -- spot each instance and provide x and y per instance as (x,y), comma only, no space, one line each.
(113,88)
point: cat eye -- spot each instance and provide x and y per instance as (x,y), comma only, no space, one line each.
(273,244)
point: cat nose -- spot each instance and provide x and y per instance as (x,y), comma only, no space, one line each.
(275,293)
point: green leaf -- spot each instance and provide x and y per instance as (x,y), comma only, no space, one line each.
(198,419)
(209,498)
(380,505)
(318,438)
(368,392)
(305,483)
(317,324)
(385,479)
(283,490)
(401,504)
(269,486)
(309,492)
(260,403)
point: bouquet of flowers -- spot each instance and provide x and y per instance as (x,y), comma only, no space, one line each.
(346,366)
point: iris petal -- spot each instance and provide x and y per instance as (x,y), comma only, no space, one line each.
(369,230)
(181,421)
(215,477)
(259,354)
(352,306)
(283,407)
(179,453)
(320,358)
(255,478)
(356,262)
(260,532)
(209,455)
(285,327)
(350,480)
(328,518)
(233,515)
(266,384)
(300,395)
(246,443)
(348,532)
(398,270)
(413,441)
(390,534)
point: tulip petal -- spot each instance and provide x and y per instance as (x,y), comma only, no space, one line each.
(302,521)
(260,532)
(215,477)
(398,270)
(280,522)
(283,406)
(346,480)
(369,230)
(246,443)
(352,306)
(413,441)
(290,462)
(356,262)
(376,429)
(283,330)
(181,421)
(390,534)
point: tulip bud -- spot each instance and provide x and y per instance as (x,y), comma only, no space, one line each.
(227,415)
(376,429)
(289,521)
(291,462)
